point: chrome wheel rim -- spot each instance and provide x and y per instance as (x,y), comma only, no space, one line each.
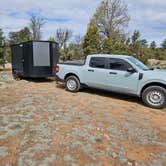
(71,84)
(155,98)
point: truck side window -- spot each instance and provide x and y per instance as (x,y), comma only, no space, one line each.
(97,62)
(118,64)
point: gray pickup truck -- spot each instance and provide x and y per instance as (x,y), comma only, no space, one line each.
(117,73)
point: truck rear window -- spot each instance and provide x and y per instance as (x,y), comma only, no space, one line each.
(97,62)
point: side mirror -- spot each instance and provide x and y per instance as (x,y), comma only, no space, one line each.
(131,70)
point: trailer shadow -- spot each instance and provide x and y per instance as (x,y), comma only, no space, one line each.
(39,80)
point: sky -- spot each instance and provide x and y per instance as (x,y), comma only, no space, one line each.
(148,16)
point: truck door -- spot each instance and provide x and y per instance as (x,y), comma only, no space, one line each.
(118,78)
(95,74)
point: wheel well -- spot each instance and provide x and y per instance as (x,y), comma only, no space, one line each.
(71,74)
(153,84)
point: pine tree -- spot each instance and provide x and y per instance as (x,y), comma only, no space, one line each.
(2,42)
(1,38)
(107,46)
(139,47)
(20,36)
(91,43)
(135,37)
(52,39)
(164,45)
(25,35)
(153,45)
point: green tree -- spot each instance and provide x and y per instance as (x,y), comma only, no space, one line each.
(2,44)
(107,46)
(13,37)
(113,47)
(139,47)
(111,18)
(135,43)
(73,51)
(63,37)
(143,43)
(135,37)
(24,34)
(20,36)
(163,45)
(2,38)
(153,45)
(128,40)
(91,43)
(52,39)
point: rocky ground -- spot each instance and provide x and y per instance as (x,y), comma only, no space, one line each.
(157,63)
(43,125)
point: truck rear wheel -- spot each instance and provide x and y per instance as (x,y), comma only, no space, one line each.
(154,97)
(72,84)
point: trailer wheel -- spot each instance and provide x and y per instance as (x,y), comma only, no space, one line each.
(72,84)
(17,78)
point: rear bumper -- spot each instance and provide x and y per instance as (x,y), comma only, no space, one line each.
(58,79)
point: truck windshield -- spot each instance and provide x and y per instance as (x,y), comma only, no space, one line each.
(138,63)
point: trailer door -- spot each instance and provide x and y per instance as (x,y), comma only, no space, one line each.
(17,60)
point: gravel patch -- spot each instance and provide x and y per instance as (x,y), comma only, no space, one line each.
(46,125)
(4,151)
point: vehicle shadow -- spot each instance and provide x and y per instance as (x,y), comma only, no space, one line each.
(114,95)
(107,94)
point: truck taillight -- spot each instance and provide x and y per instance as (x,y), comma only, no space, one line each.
(57,69)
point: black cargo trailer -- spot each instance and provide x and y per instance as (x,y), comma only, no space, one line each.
(34,59)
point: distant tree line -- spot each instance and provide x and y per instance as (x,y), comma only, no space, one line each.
(106,33)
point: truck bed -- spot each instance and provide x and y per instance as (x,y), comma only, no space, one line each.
(74,63)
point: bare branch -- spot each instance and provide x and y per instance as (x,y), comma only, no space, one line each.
(63,36)
(111,17)
(36,23)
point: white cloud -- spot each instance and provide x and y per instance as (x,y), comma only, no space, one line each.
(147,16)
(14,14)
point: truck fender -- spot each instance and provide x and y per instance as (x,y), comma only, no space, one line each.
(151,83)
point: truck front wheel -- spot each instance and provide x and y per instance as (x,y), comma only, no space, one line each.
(154,97)
(72,84)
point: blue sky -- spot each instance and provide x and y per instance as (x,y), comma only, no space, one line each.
(148,16)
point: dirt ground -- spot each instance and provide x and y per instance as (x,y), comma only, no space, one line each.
(43,125)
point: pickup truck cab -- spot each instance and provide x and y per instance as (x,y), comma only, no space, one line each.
(117,73)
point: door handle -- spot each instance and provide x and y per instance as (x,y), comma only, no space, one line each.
(114,73)
(90,70)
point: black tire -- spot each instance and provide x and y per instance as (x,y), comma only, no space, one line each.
(72,84)
(16,77)
(154,97)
